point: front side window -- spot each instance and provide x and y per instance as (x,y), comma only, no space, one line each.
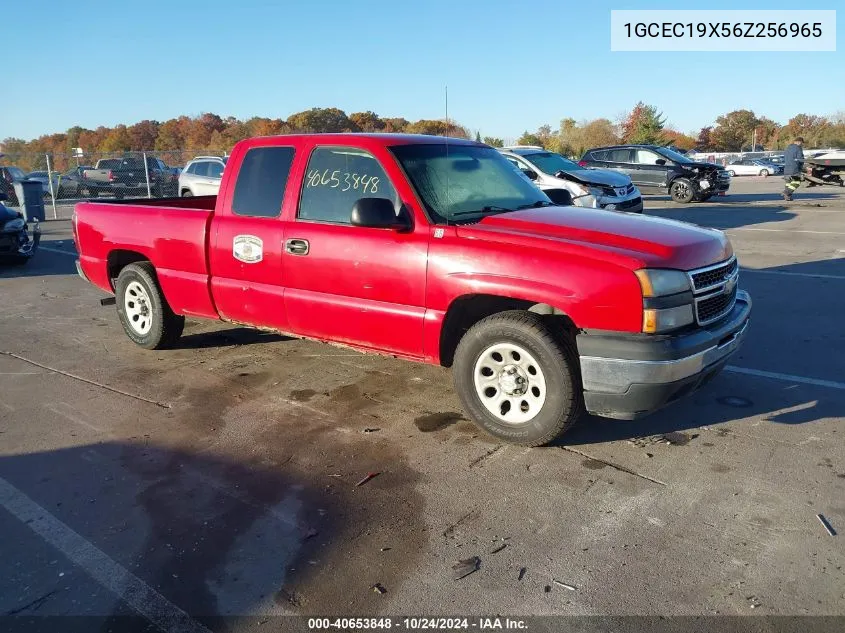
(336,178)
(201,168)
(215,170)
(454,181)
(262,180)
(647,157)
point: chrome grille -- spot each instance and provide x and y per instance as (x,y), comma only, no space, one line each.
(713,275)
(714,289)
(712,307)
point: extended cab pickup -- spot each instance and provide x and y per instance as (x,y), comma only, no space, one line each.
(437,251)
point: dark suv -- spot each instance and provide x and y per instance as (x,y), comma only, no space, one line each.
(656,169)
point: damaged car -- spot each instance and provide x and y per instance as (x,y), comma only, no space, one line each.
(16,244)
(657,170)
(592,188)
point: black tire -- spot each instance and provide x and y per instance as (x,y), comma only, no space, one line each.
(764,173)
(187,194)
(558,362)
(731,173)
(165,326)
(682,190)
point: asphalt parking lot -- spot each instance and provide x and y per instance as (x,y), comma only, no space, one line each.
(220,478)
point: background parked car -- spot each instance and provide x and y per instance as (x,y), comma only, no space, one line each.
(201,176)
(71,183)
(8,176)
(598,188)
(44,178)
(753,167)
(656,169)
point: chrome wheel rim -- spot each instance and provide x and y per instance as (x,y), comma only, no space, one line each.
(510,383)
(138,308)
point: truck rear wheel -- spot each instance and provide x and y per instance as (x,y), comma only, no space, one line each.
(144,313)
(682,190)
(517,379)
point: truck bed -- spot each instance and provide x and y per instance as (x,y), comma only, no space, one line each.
(172,233)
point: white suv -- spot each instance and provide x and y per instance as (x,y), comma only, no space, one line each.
(201,176)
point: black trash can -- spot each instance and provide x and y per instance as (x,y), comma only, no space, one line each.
(30,195)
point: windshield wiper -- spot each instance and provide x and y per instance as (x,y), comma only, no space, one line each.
(492,208)
(536,205)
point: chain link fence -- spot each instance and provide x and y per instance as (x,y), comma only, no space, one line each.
(69,178)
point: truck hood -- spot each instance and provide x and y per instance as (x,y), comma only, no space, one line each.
(629,239)
(601,177)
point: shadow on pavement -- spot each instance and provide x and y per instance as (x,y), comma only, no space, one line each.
(215,535)
(723,216)
(228,338)
(44,263)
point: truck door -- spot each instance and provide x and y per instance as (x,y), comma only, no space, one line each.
(246,238)
(351,284)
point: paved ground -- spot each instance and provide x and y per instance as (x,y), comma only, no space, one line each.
(219,478)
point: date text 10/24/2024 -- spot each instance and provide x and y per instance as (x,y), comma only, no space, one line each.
(417,624)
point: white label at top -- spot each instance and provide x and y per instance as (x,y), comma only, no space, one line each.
(727,31)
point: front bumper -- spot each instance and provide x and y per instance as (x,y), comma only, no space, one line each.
(629,204)
(629,376)
(21,244)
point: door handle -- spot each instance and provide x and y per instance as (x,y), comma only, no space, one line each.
(297,246)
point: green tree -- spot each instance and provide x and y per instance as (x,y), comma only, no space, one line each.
(366,122)
(320,120)
(644,124)
(528,138)
(118,140)
(733,130)
(493,141)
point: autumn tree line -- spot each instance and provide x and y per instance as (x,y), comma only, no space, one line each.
(732,132)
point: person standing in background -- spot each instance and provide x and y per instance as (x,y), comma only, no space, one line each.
(793,163)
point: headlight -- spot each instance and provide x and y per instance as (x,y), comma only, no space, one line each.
(598,193)
(667,300)
(659,283)
(14,225)
(656,321)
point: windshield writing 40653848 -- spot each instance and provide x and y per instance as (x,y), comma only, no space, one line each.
(342,179)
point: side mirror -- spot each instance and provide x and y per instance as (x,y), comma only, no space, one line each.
(376,213)
(660,161)
(530,173)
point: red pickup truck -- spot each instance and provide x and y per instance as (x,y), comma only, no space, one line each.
(434,250)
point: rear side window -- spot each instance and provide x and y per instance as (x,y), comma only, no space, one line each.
(336,178)
(600,155)
(262,179)
(620,156)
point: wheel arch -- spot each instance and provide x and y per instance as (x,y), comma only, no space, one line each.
(119,259)
(466,310)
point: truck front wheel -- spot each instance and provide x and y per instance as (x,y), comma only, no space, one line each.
(517,379)
(143,311)
(682,190)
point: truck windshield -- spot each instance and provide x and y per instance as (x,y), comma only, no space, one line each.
(462,181)
(551,163)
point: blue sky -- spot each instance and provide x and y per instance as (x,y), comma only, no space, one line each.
(509,65)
